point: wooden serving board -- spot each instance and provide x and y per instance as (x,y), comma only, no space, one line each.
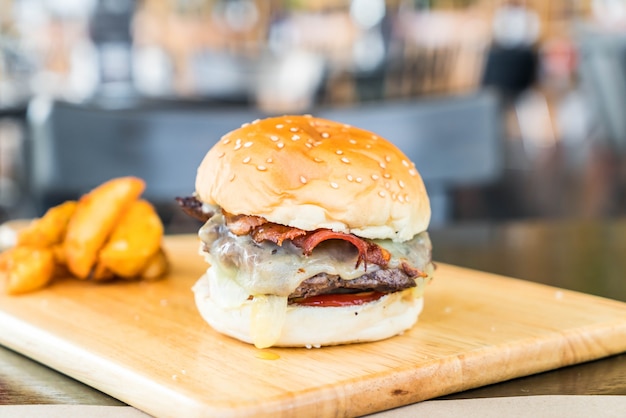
(145,344)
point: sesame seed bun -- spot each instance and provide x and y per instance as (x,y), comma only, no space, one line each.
(311,173)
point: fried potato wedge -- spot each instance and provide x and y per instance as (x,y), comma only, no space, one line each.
(48,230)
(96,215)
(134,240)
(157,266)
(101,273)
(25,269)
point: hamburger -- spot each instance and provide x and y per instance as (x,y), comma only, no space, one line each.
(315,233)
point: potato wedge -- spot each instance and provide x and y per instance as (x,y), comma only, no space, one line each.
(101,273)
(97,213)
(157,266)
(59,254)
(48,230)
(134,240)
(24,269)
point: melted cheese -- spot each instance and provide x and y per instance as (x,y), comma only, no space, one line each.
(267,319)
(266,268)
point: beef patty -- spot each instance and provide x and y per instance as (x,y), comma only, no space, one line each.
(384,281)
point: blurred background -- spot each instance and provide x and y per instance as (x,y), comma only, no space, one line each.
(510,109)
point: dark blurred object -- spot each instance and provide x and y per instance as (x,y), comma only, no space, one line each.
(74,148)
(110,31)
(510,70)
(512,60)
(454,141)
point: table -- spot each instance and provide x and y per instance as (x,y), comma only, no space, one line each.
(583,255)
(587,256)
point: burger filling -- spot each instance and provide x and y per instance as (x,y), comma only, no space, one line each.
(270,259)
(273,268)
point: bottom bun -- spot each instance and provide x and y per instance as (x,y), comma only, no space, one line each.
(307,326)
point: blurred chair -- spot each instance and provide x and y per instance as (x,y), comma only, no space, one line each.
(74,148)
(454,141)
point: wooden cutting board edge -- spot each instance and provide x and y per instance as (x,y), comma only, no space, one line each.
(357,397)
(468,371)
(380,391)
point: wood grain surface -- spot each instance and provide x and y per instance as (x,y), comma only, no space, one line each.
(145,344)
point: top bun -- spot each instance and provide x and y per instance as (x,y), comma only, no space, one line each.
(311,173)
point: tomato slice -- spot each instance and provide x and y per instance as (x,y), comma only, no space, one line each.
(339,299)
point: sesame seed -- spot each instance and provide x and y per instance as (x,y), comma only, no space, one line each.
(345,160)
(387,185)
(221,154)
(400,198)
(405,163)
(308,145)
(339,152)
(293,129)
(382,165)
(401,184)
(273,138)
(359,179)
(280,145)
(325,134)
(226,141)
(352,141)
(374,137)
(387,175)
(279,126)
(302,179)
(345,125)
(232,177)
(368,146)
(238,141)
(243,125)
(349,177)
(256,121)
(261,167)
(269,160)
(387,158)
(334,185)
(318,160)
(237,146)
(295,137)
(382,193)
(246,160)
(412,172)
(375,176)
(407,198)
(248,144)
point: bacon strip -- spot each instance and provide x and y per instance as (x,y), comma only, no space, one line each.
(243,224)
(262,230)
(368,251)
(276,233)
